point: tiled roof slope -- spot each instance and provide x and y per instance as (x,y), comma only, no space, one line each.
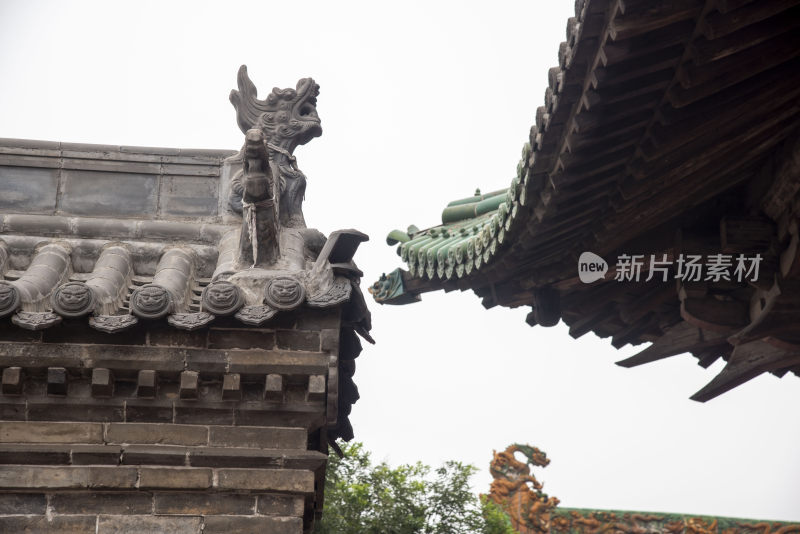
(116,218)
(662,119)
(66,205)
(471,231)
(462,247)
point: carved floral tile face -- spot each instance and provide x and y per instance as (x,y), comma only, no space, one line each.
(150,301)
(35,320)
(255,315)
(284,293)
(73,298)
(190,321)
(112,323)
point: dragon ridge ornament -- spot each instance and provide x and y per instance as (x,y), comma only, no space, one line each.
(280,264)
(286,119)
(518,492)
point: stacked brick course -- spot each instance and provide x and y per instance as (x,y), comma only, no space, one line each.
(165,425)
(185,432)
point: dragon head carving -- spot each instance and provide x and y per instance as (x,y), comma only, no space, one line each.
(288,117)
(505,465)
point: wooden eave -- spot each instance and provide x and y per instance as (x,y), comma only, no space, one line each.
(662,121)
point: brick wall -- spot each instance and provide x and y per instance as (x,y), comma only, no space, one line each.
(160,430)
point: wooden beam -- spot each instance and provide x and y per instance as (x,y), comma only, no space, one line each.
(726,6)
(706,357)
(741,234)
(591,321)
(746,362)
(774,313)
(663,140)
(762,303)
(707,150)
(716,315)
(724,72)
(633,24)
(720,24)
(632,333)
(706,51)
(697,86)
(679,339)
(664,60)
(787,179)
(788,342)
(677,33)
(647,302)
(691,189)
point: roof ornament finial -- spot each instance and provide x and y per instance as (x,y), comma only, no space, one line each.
(287,118)
(269,189)
(517,492)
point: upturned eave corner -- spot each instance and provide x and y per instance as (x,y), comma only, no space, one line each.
(638,151)
(473,232)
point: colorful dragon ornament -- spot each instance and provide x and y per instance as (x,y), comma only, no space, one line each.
(518,492)
(531,511)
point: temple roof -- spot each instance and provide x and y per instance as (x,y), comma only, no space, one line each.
(116,238)
(113,219)
(100,243)
(667,128)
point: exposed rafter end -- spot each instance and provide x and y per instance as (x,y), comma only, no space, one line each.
(679,339)
(747,362)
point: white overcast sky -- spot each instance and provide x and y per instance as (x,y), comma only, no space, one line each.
(420,103)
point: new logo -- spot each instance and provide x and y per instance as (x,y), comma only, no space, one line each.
(591,267)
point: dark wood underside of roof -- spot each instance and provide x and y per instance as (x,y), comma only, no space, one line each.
(669,128)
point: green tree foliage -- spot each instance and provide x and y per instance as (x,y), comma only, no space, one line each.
(497,522)
(362,498)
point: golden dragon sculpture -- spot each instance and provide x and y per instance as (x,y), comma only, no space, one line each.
(517,492)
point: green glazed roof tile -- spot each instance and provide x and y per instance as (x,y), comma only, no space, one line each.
(475,198)
(468,237)
(473,230)
(397,236)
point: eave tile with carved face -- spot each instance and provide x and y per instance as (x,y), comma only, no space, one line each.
(222,298)
(284,293)
(73,299)
(150,302)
